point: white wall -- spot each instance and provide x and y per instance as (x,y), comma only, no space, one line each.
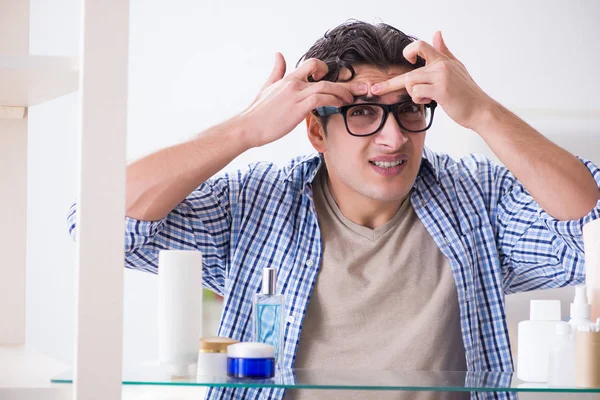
(193,64)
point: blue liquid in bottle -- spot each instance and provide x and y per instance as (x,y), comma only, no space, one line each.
(268,329)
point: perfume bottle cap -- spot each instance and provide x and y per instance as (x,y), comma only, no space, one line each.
(269,280)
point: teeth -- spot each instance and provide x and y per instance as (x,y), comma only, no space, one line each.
(387,164)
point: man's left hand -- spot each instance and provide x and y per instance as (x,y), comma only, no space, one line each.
(443,79)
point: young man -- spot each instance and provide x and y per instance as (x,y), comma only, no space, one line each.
(391,256)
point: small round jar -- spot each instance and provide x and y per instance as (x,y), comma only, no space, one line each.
(251,360)
(212,356)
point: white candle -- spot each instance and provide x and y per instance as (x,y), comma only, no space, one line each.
(179,308)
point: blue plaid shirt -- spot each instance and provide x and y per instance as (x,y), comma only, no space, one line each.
(497,239)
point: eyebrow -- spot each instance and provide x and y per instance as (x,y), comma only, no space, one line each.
(376,99)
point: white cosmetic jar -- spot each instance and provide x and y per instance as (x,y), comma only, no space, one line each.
(212,356)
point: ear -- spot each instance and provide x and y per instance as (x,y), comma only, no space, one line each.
(316,133)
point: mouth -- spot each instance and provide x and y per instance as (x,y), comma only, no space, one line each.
(387,164)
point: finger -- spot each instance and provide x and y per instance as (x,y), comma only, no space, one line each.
(321,100)
(356,88)
(423,49)
(440,45)
(403,81)
(423,93)
(344,90)
(396,83)
(311,67)
(278,71)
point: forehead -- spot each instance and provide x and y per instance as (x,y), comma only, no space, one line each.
(372,74)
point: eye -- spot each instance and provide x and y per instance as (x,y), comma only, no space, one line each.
(409,108)
(362,111)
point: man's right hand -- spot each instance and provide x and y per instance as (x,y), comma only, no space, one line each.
(284,102)
(158,182)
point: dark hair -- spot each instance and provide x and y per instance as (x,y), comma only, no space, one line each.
(360,43)
(356,42)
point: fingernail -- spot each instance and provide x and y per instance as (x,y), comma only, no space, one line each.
(362,87)
(375,88)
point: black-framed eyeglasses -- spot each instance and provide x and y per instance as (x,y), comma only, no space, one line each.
(367,119)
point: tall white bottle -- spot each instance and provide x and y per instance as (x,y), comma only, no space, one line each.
(179,309)
(534,339)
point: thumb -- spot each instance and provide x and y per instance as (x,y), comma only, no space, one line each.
(278,71)
(440,45)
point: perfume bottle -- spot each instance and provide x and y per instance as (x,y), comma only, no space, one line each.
(268,310)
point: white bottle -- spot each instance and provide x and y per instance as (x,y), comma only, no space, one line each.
(534,340)
(561,361)
(580,311)
(179,309)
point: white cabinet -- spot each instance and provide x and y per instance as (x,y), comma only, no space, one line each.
(27,80)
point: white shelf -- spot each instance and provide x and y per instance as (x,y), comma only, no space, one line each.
(26,374)
(31,80)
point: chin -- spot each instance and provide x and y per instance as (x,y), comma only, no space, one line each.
(387,195)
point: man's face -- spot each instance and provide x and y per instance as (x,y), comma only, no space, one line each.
(351,160)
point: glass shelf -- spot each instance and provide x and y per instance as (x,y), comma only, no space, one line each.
(351,379)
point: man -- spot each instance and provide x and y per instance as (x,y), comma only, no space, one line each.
(391,256)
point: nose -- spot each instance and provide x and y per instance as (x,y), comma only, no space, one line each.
(390,134)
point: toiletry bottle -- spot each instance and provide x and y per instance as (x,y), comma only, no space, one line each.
(587,356)
(580,311)
(561,361)
(534,338)
(179,309)
(591,244)
(268,314)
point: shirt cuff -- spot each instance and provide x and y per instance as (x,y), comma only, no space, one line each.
(139,233)
(572,228)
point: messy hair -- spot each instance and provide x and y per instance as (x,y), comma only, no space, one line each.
(360,43)
(356,42)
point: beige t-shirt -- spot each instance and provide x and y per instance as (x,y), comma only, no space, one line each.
(384,299)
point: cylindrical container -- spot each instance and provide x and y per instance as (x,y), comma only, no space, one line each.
(534,338)
(591,245)
(251,360)
(588,359)
(561,363)
(179,308)
(212,356)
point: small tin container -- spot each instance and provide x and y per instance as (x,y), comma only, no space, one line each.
(251,360)
(212,356)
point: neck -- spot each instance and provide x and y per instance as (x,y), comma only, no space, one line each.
(361,210)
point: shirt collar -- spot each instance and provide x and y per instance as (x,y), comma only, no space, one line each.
(313,162)
(431,162)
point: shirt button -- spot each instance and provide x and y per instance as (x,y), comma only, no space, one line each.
(309,263)
(290,319)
